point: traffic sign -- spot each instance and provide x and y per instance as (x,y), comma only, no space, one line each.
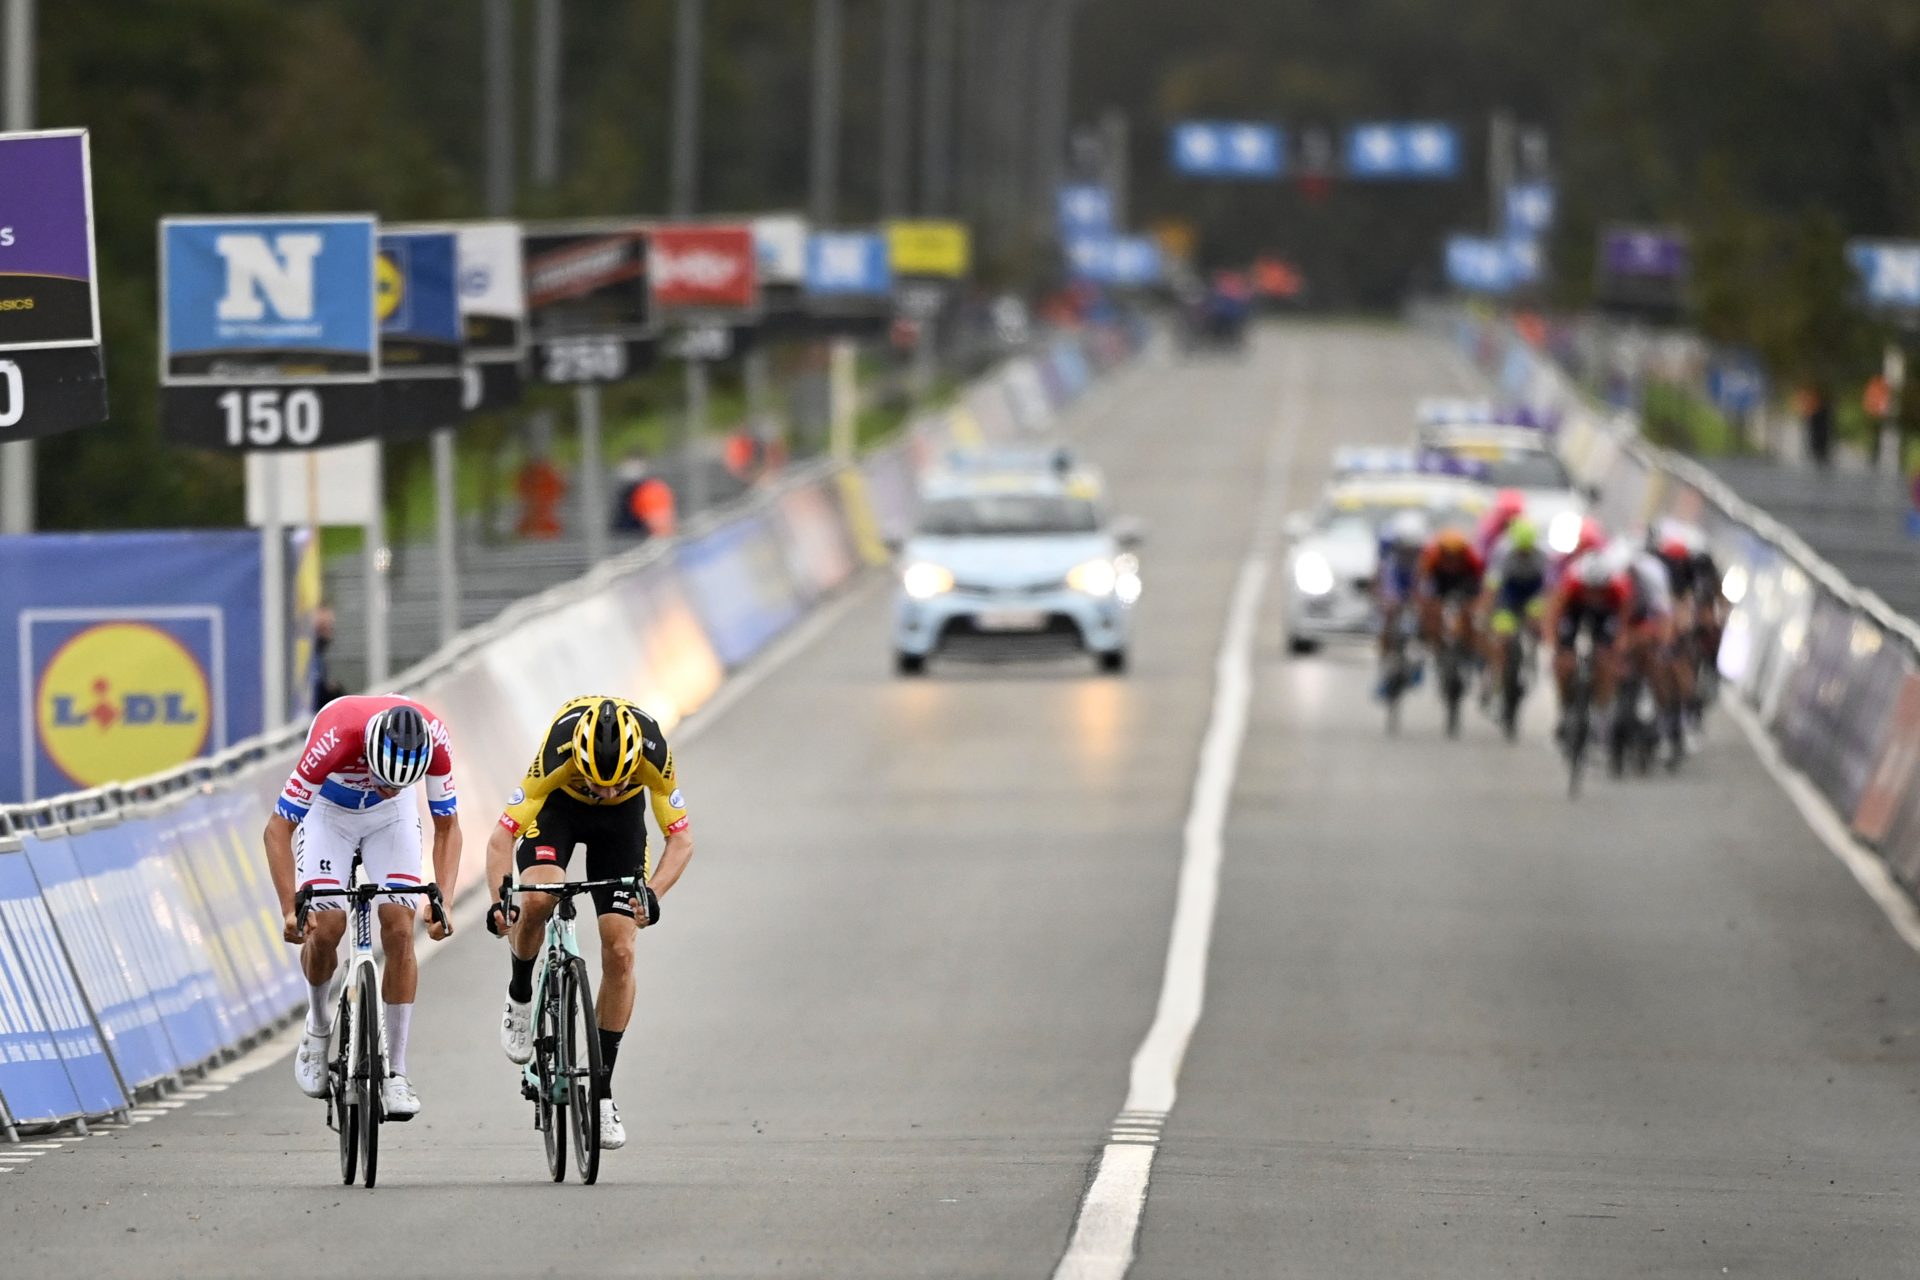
(52,370)
(268,333)
(1228,149)
(417,296)
(588,301)
(1418,150)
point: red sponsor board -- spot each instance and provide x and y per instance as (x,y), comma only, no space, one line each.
(704,267)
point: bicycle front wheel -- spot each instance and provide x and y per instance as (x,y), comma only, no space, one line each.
(550,1050)
(346,1111)
(370,1070)
(584,1081)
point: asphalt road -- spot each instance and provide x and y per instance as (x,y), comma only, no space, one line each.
(1456,1025)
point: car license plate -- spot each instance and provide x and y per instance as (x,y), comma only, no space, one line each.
(1010,620)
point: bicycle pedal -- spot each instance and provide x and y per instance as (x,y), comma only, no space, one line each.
(393,1118)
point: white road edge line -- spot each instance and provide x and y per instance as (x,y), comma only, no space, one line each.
(1108,1223)
(1868,870)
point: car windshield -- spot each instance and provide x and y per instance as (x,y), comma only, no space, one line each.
(1517,468)
(1365,523)
(989,514)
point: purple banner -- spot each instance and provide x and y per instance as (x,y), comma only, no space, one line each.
(1648,253)
(46,242)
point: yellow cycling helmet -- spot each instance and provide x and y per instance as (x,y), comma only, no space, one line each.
(606,743)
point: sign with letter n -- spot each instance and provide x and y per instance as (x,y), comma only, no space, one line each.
(268,333)
(52,370)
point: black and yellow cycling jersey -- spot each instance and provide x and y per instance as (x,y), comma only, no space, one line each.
(555,770)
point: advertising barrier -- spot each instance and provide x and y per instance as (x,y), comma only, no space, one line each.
(140,937)
(1831,671)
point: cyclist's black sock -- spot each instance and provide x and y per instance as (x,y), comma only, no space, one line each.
(609,1048)
(520,985)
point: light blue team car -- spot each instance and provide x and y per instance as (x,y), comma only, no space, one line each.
(1015,559)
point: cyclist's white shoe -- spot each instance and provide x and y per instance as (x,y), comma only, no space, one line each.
(310,1063)
(613,1134)
(397,1098)
(516,1030)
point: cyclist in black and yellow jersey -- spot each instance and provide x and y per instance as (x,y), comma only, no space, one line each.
(599,757)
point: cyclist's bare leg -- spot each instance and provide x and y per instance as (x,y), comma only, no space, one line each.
(1606,670)
(1430,620)
(402,976)
(320,953)
(617,982)
(1564,663)
(530,928)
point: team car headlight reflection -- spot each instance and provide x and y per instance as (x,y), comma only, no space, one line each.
(1312,574)
(923,580)
(1563,533)
(1094,578)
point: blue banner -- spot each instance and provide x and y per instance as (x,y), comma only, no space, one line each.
(1228,149)
(47,1037)
(1530,210)
(288,299)
(110,969)
(1423,149)
(1126,261)
(133,653)
(1737,385)
(417,296)
(1889,271)
(848,263)
(740,587)
(1479,264)
(1085,209)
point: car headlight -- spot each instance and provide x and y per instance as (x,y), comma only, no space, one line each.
(1094,578)
(924,580)
(1734,584)
(1563,532)
(1126,585)
(1312,574)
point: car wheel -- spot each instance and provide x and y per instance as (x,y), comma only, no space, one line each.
(910,664)
(1300,646)
(1113,663)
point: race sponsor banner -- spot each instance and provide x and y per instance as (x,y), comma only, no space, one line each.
(738,579)
(416,296)
(53,1065)
(703,269)
(1896,770)
(929,247)
(849,285)
(130,654)
(780,250)
(268,332)
(114,977)
(493,313)
(589,305)
(52,370)
(1642,269)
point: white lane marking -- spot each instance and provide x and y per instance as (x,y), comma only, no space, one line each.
(1871,873)
(1108,1223)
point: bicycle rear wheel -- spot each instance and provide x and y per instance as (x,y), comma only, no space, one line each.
(583,1080)
(371,1070)
(551,1050)
(346,1112)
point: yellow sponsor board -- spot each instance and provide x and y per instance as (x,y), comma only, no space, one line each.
(121,700)
(929,248)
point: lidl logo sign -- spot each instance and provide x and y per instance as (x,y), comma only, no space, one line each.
(389,286)
(119,700)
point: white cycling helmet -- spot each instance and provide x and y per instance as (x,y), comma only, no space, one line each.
(398,746)
(1408,529)
(1593,570)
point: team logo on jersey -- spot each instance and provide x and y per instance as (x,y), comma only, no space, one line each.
(122,699)
(518,796)
(677,800)
(546,853)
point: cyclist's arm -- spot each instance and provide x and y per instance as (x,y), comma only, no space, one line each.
(670,812)
(446,861)
(329,747)
(278,838)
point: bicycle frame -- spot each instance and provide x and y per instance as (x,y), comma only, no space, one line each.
(562,942)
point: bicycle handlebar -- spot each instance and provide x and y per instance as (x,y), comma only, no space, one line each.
(303,900)
(574,888)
